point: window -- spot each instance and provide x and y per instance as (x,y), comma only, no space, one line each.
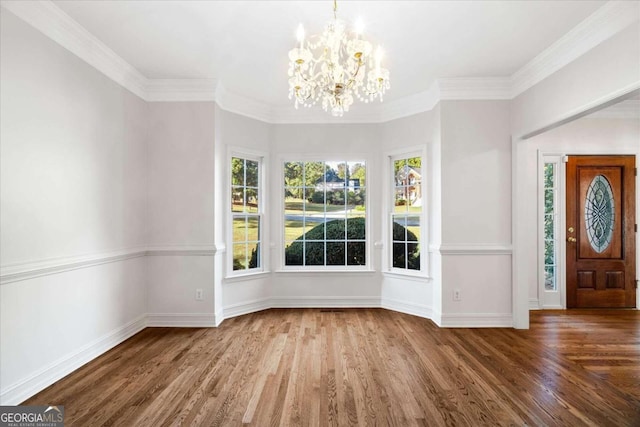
(550,226)
(407,213)
(325,214)
(246,214)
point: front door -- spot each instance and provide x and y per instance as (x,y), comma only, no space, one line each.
(601,252)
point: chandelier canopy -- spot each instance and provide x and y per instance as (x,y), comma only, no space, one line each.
(335,67)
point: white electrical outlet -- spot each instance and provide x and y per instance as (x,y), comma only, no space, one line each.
(456,295)
(199,295)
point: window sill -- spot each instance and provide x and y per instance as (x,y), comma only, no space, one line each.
(408,276)
(246,276)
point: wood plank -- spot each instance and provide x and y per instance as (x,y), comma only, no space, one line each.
(364,367)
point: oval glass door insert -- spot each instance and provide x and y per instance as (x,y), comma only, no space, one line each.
(599,213)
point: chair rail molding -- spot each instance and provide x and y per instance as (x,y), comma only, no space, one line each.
(475,249)
(31,269)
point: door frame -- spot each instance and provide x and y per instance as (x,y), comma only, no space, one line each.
(562,218)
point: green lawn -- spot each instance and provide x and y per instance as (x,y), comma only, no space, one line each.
(294,229)
(238,207)
(296,206)
(410,209)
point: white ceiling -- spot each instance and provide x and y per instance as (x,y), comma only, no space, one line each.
(244,44)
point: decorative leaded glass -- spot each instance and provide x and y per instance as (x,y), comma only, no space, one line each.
(599,213)
(550,225)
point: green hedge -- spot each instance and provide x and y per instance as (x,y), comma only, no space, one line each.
(336,197)
(356,251)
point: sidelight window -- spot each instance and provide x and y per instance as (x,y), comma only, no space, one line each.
(550,226)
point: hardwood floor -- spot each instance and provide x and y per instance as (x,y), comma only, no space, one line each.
(364,367)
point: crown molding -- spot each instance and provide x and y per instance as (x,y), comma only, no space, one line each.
(361,113)
(601,25)
(462,88)
(50,20)
(489,88)
(177,90)
(239,104)
(45,16)
(412,104)
(629,109)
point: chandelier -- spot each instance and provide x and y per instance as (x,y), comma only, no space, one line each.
(332,67)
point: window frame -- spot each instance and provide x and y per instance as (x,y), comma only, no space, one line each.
(261,159)
(350,158)
(552,299)
(423,241)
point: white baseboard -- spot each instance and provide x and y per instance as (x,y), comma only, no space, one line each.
(325,302)
(406,307)
(247,307)
(253,306)
(534,304)
(182,320)
(476,320)
(219,317)
(39,380)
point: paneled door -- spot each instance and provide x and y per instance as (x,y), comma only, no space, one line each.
(601,252)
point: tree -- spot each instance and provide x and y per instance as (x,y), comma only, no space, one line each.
(343,171)
(293,178)
(413,162)
(358,172)
(313,172)
(237,171)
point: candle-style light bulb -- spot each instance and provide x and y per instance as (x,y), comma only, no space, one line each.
(359,27)
(300,35)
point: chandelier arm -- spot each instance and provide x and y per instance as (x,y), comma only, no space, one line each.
(303,98)
(352,80)
(333,68)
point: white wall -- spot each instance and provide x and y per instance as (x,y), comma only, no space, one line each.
(583,136)
(239,133)
(476,212)
(420,131)
(180,221)
(72,211)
